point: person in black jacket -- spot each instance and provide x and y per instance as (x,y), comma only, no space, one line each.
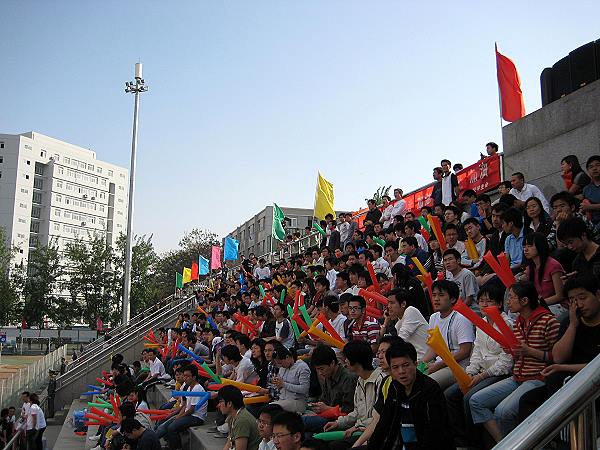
(414,415)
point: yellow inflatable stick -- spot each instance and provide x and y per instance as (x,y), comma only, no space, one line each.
(437,343)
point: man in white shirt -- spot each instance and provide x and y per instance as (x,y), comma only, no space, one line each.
(399,207)
(331,308)
(380,265)
(457,331)
(391,254)
(386,216)
(522,191)
(243,369)
(331,272)
(157,369)
(262,272)
(450,186)
(344,229)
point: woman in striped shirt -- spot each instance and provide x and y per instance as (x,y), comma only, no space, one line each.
(497,406)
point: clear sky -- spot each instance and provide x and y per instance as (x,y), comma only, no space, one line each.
(248,99)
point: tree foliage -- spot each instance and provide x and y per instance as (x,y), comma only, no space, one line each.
(193,244)
(11,282)
(378,195)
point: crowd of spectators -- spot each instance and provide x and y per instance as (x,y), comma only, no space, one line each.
(385,387)
(30,421)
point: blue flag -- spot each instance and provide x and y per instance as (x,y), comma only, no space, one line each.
(231,249)
(203,263)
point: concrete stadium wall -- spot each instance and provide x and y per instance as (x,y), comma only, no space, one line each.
(535,144)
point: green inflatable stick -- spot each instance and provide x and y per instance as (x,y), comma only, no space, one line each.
(317,227)
(334,435)
(261,290)
(282,297)
(210,372)
(379,241)
(422,367)
(293,322)
(305,315)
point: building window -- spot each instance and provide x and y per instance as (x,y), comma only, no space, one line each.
(22,205)
(22,221)
(24,191)
(56,227)
(36,211)
(28,147)
(37,197)
(1,144)
(35,227)
(39,168)
(67,160)
(99,169)
(59,198)
(59,184)
(91,167)
(1,159)
(28,162)
(56,157)
(43,153)
(27,177)
(57,212)
(38,183)
(110,173)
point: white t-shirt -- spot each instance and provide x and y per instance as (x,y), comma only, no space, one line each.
(192,401)
(26,416)
(244,372)
(455,330)
(157,368)
(467,283)
(36,411)
(413,328)
(262,273)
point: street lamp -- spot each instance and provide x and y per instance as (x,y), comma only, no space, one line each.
(131,87)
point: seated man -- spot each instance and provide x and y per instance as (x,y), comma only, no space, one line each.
(360,360)
(337,387)
(464,278)
(188,416)
(243,432)
(411,249)
(157,369)
(359,328)
(456,330)
(144,438)
(414,413)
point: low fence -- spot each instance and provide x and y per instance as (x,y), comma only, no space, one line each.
(30,378)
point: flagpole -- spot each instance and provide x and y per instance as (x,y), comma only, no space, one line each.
(499,93)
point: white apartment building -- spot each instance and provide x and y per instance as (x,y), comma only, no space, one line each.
(53,190)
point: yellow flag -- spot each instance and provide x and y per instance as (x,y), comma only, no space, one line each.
(187,275)
(323,198)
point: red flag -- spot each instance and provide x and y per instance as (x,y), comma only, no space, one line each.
(194,271)
(509,83)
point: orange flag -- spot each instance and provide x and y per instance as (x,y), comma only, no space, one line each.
(509,83)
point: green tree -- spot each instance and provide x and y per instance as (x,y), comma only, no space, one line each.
(143,263)
(91,281)
(41,288)
(378,195)
(11,282)
(193,244)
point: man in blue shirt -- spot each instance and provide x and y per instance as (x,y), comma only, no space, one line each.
(591,192)
(512,225)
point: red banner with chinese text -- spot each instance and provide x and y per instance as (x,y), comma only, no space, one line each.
(483,176)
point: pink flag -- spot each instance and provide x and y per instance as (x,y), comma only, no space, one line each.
(215,260)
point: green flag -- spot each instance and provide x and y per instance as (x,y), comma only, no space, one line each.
(178,280)
(278,232)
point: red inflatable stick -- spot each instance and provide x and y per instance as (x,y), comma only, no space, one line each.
(436,227)
(373,295)
(373,277)
(494,313)
(105,382)
(300,322)
(332,413)
(500,269)
(428,282)
(373,312)
(327,325)
(245,321)
(481,323)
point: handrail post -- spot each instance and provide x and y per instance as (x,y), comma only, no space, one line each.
(583,429)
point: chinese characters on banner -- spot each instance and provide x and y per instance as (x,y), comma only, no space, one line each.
(483,176)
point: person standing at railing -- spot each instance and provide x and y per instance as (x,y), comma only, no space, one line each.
(38,424)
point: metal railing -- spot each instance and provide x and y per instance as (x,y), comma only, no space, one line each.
(31,377)
(123,328)
(573,406)
(124,341)
(126,331)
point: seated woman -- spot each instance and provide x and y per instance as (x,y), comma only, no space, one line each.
(497,406)
(544,272)
(489,364)
(536,219)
